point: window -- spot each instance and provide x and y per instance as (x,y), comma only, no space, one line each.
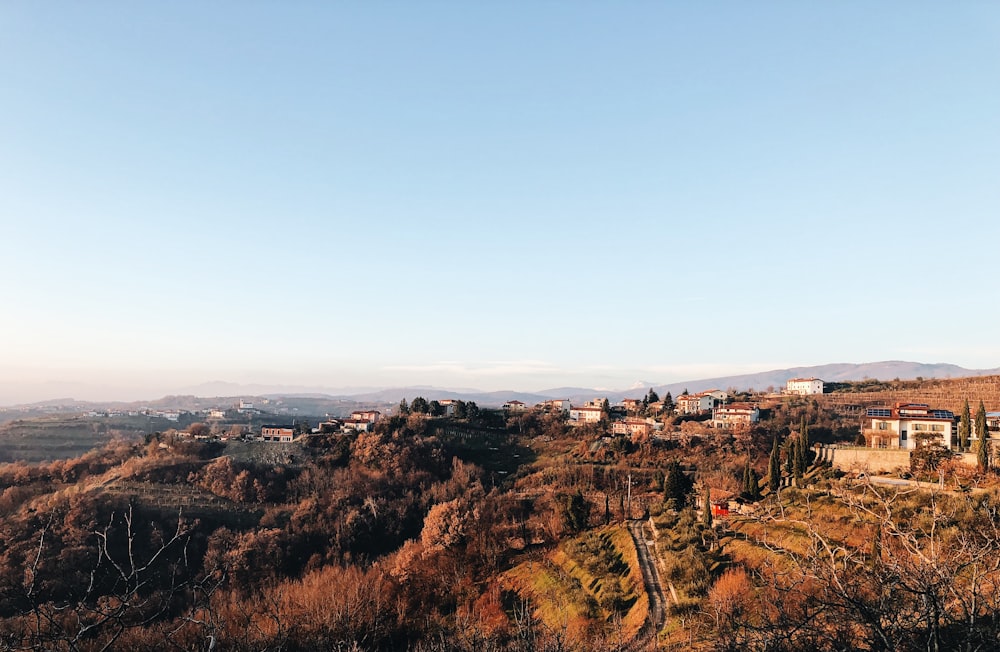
(919,427)
(882,425)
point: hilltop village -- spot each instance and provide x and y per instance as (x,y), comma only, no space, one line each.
(823,516)
(902,426)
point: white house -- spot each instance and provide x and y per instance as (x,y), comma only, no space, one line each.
(635,426)
(369,416)
(562,405)
(515,406)
(804,386)
(904,424)
(357,425)
(587,414)
(735,414)
(631,404)
(694,403)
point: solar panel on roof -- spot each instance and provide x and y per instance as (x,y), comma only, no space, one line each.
(879,412)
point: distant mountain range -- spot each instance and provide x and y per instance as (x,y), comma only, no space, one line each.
(839,372)
(226,393)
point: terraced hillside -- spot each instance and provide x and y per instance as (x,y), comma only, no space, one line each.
(947,393)
(64,437)
(590,587)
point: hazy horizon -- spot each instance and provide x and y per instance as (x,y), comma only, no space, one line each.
(21,393)
(513,196)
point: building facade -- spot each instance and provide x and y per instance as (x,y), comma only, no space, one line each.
(906,425)
(277,433)
(804,386)
(587,414)
(734,415)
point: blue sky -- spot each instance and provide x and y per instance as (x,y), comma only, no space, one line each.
(492,195)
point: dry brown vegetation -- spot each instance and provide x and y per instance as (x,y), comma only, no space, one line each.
(396,540)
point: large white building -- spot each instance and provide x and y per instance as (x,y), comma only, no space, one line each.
(905,424)
(804,386)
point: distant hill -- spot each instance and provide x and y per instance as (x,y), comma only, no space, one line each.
(838,372)
(318,401)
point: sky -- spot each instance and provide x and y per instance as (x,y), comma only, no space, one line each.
(491,195)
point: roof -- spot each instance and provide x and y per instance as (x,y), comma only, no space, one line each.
(732,407)
(916,411)
(802,380)
(586,409)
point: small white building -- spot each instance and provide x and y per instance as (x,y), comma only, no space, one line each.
(804,386)
(515,406)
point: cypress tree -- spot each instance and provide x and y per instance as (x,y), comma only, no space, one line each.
(980,423)
(983,451)
(964,427)
(797,466)
(706,508)
(803,445)
(789,454)
(774,467)
(676,485)
(753,483)
(983,455)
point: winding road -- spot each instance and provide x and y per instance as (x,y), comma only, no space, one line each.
(651,578)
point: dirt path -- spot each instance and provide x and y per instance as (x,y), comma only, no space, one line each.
(651,578)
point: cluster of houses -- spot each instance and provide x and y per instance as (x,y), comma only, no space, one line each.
(359,421)
(626,419)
